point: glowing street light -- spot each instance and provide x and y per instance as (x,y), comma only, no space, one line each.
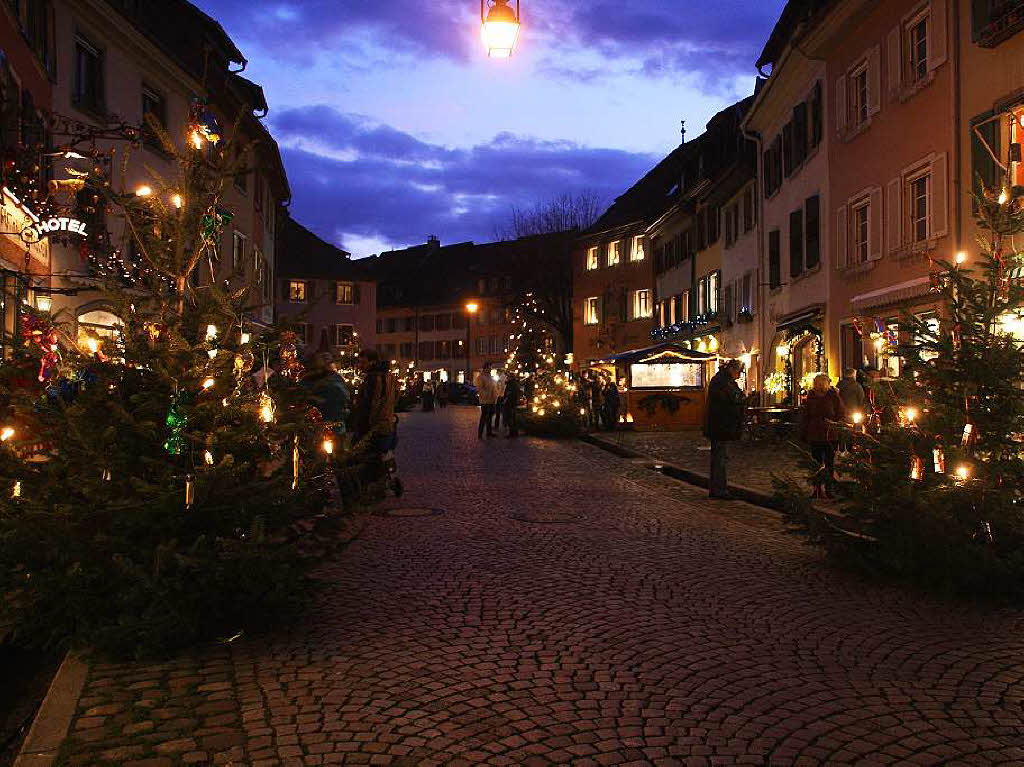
(499,27)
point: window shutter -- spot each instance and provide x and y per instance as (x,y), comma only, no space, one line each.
(894,215)
(357,293)
(875,211)
(894,62)
(842,237)
(874,80)
(285,295)
(939,198)
(937,38)
(841,105)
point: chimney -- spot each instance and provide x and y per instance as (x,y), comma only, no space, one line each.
(682,132)
(433,242)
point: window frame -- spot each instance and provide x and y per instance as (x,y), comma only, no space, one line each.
(339,289)
(914,72)
(636,252)
(593,262)
(856,208)
(859,112)
(98,105)
(613,253)
(592,310)
(924,175)
(642,307)
(237,253)
(297,291)
(150,139)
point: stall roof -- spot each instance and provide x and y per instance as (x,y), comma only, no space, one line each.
(649,352)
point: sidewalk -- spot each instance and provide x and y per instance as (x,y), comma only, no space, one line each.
(751,463)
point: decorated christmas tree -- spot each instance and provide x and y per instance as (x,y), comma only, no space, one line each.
(931,489)
(552,396)
(155,484)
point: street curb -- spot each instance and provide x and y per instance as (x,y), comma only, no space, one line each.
(741,492)
(53,720)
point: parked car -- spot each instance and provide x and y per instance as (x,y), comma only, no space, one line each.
(464,394)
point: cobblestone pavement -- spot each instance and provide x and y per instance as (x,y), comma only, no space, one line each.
(751,463)
(570,606)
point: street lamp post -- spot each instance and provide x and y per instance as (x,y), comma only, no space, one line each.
(472,307)
(500,27)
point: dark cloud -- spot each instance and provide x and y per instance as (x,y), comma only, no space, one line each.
(390,185)
(714,40)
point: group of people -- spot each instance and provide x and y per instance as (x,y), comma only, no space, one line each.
(500,397)
(823,414)
(368,419)
(599,395)
(431,394)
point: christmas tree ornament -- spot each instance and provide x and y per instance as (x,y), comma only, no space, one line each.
(295,463)
(916,468)
(266,406)
(985,532)
(105,476)
(16,490)
(939,460)
(190,491)
(967,440)
(176,423)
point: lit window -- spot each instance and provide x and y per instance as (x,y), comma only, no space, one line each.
(713,285)
(592,311)
(702,295)
(636,253)
(343,293)
(917,47)
(861,228)
(344,335)
(642,304)
(592,260)
(296,291)
(614,252)
(919,208)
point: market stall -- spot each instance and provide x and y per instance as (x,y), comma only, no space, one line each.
(665,385)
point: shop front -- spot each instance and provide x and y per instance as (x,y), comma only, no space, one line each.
(665,385)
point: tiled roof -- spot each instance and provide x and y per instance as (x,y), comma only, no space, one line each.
(300,253)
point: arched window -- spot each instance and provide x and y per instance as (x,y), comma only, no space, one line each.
(99,322)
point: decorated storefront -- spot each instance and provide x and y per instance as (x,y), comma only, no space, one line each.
(665,385)
(799,348)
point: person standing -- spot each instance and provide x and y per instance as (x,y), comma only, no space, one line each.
(373,415)
(499,380)
(511,404)
(851,394)
(596,400)
(818,418)
(442,395)
(428,397)
(611,405)
(725,412)
(487,390)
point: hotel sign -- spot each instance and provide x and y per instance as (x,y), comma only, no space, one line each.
(50,226)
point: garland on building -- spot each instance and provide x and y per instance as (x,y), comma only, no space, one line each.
(933,490)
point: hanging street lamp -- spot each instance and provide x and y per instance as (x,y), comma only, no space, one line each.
(500,27)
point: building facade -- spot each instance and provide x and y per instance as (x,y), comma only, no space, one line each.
(892,184)
(331,299)
(125,64)
(787,119)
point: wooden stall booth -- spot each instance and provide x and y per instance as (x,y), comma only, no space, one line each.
(666,385)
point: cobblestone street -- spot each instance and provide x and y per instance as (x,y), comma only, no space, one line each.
(752,464)
(566,605)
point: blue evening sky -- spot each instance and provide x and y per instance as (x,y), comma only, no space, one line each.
(395,125)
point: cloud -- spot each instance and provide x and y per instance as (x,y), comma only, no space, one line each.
(356,181)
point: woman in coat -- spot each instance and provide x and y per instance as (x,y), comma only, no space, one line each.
(820,421)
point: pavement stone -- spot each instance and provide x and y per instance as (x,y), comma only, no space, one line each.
(752,463)
(628,621)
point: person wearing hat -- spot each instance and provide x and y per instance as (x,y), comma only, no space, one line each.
(724,423)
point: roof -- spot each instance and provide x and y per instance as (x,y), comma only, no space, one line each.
(673,179)
(300,253)
(435,275)
(795,13)
(670,348)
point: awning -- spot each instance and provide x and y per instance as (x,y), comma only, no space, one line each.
(893,294)
(638,355)
(800,318)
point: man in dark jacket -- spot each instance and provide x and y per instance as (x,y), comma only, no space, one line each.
(726,405)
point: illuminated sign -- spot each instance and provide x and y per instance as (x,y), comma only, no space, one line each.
(50,226)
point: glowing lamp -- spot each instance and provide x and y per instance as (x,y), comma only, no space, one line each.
(961,257)
(713,344)
(328,446)
(1003,197)
(267,413)
(244,338)
(499,28)
(176,201)
(208,383)
(93,344)
(783,350)
(16,490)
(211,332)
(144,191)
(6,433)
(208,457)
(196,138)
(911,414)
(879,343)
(858,417)
(472,307)
(583,411)
(963,472)
(44,303)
